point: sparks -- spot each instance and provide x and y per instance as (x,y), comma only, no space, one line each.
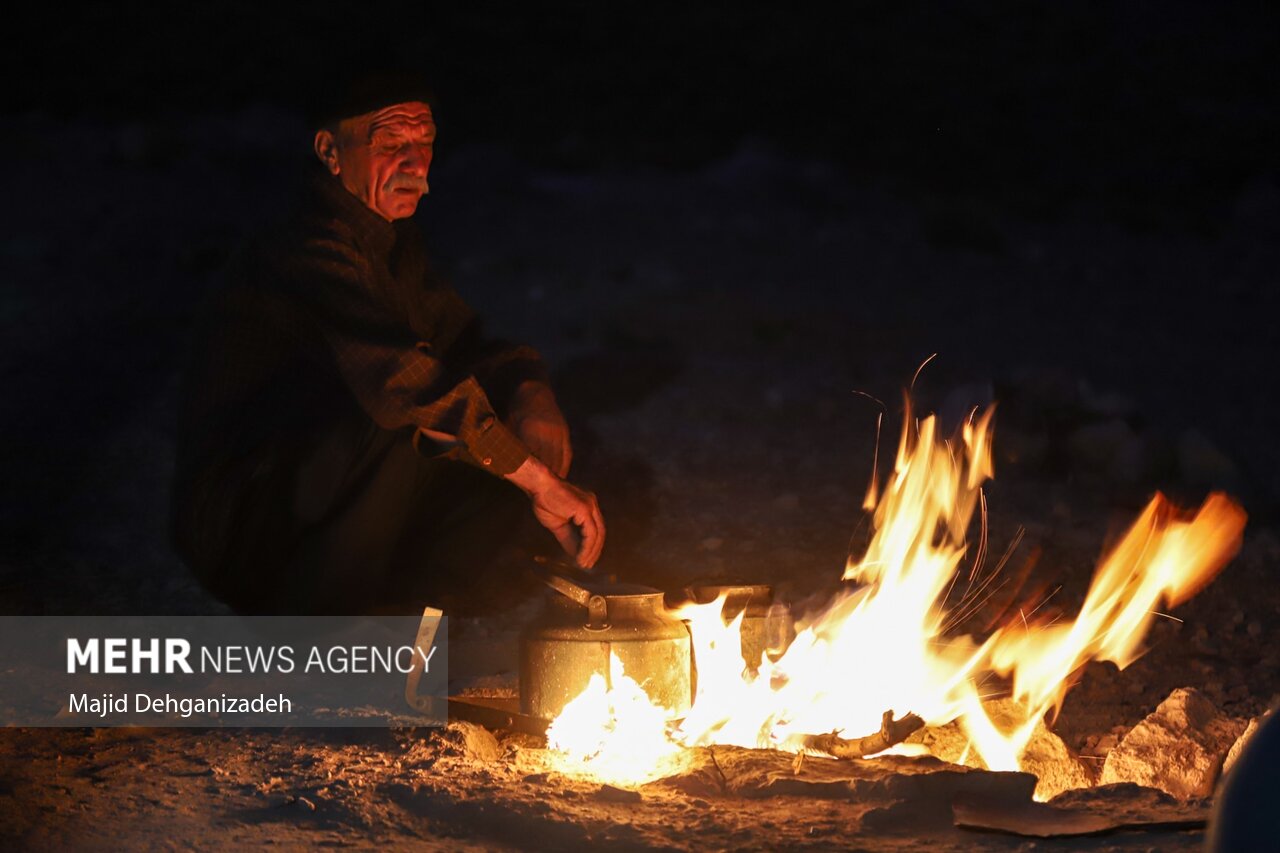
(886,641)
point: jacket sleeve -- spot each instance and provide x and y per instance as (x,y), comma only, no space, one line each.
(499,366)
(396,379)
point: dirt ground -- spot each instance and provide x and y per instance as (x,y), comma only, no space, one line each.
(715,334)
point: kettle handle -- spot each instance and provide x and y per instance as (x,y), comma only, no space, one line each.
(597,607)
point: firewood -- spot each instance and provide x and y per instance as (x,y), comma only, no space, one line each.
(891,732)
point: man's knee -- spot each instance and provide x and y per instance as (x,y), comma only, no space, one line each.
(243,525)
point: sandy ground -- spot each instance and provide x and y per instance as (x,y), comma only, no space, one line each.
(152,789)
(708,331)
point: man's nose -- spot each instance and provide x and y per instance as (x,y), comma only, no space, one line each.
(417,161)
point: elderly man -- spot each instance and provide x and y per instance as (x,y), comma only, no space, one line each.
(350,441)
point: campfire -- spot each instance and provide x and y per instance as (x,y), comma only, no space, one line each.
(884,656)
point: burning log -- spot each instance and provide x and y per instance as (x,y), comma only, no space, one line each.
(892,732)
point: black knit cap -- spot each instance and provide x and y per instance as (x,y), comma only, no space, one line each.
(353,96)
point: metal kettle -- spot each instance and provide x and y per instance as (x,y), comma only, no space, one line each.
(585,623)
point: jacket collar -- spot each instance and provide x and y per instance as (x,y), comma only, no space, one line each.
(370,229)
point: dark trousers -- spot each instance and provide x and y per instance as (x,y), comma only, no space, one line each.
(353,519)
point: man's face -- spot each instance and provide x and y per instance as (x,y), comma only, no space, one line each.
(383,157)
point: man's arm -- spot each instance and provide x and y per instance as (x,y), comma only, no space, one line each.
(516,382)
(399,381)
(402,382)
(571,514)
(535,417)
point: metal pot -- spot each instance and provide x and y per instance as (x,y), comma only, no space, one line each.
(767,627)
(586,622)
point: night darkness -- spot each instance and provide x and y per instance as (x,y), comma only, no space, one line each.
(716,221)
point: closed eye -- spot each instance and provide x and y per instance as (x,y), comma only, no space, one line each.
(396,146)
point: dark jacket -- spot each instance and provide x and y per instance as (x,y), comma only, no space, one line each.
(336,312)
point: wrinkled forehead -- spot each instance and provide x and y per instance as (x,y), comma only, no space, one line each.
(413,116)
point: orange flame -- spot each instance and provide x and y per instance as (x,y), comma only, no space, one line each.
(1163,559)
(885,645)
(613,732)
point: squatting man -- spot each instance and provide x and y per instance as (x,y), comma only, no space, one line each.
(350,440)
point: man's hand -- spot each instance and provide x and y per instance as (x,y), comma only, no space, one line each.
(536,420)
(571,514)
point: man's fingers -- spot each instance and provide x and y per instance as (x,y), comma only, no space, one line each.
(590,550)
(568,538)
(592,527)
(600,530)
(573,516)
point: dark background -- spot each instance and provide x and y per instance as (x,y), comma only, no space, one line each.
(1158,116)
(1153,126)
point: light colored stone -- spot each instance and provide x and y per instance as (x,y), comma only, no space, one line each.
(1178,748)
(1239,745)
(1056,768)
(467,740)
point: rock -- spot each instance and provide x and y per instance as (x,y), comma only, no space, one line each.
(1084,812)
(1245,815)
(1178,748)
(921,803)
(468,740)
(1238,746)
(894,792)
(1056,768)
(1047,756)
